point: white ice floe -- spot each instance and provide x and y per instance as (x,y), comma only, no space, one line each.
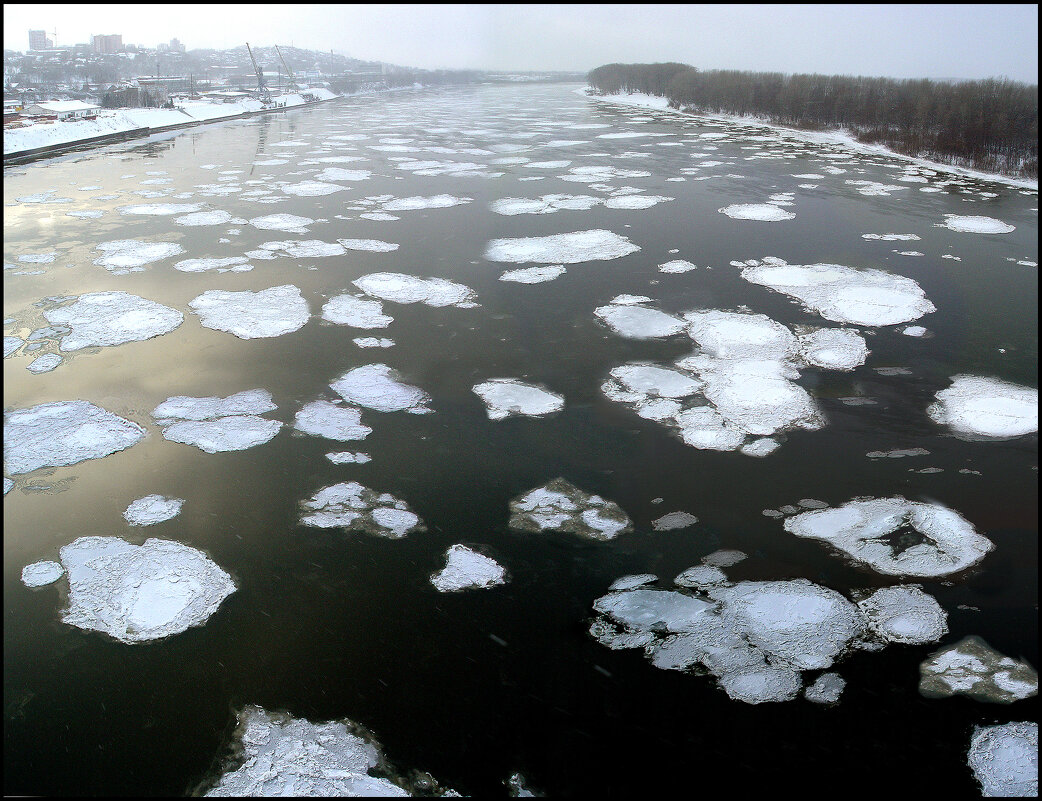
(895,536)
(340,174)
(833,348)
(405,288)
(676,266)
(284,755)
(633,581)
(324,419)
(282,222)
(160,209)
(674,520)
(356,508)
(11,344)
(976,225)
(417,202)
(467,569)
(561,506)
(764,212)
(112,318)
(570,248)
(547,204)
(373,342)
(844,294)
(1004,759)
(355,312)
(63,433)
(914,331)
(204,218)
(137,593)
(305,249)
(124,256)
(635,201)
(349,457)
(905,614)
(699,576)
(312,189)
(972,667)
(233,264)
(891,237)
(639,322)
(595,173)
(152,509)
(534,275)
(826,689)
(376,386)
(372,245)
(506,397)
(218,424)
(249,315)
(975,407)
(44,364)
(40,574)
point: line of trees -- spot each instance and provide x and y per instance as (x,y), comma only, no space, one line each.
(989,124)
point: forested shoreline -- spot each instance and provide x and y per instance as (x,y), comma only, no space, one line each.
(989,125)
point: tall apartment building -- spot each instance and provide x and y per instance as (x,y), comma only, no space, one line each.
(38,40)
(112,43)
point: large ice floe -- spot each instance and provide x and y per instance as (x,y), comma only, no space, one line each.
(971,667)
(546,204)
(355,312)
(976,225)
(377,387)
(356,508)
(416,203)
(130,255)
(112,318)
(570,248)
(979,408)
(561,506)
(63,433)
(136,593)
(219,424)
(843,294)
(1004,759)
(467,569)
(250,315)
(405,288)
(896,537)
(505,397)
(764,212)
(755,637)
(282,222)
(152,509)
(278,755)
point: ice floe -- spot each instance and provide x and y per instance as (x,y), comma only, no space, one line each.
(377,386)
(833,348)
(152,509)
(826,689)
(506,397)
(44,364)
(372,245)
(561,506)
(895,536)
(324,419)
(570,248)
(674,520)
(971,667)
(124,256)
(676,266)
(417,202)
(356,508)
(355,312)
(905,614)
(282,222)
(233,264)
(249,315)
(205,218)
(547,204)
(160,209)
(639,322)
(112,318)
(218,424)
(63,433)
(1004,759)
(349,457)
(40,574)
(312,189)
(304,249)
(976,225)
(764,212)
(467,569)
(405,288)
(534,275)
(136,593)
(979,408)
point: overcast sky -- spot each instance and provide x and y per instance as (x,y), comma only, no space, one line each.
(902,41)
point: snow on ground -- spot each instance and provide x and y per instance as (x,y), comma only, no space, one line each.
(570,248)
(152,509)
(973,668)
(377,387)
(404,288)
(218,424)
(249,315)
(467,569)
(979,408)
(506,397)
(1004,759)
(356,508)
(561,506)
(112,318)
(63,433)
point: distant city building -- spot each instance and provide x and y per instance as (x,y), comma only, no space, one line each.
(62,109)
(176,46)
(38,40)
(107,43)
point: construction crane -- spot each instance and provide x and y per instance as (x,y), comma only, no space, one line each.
(292,80)
(261,86)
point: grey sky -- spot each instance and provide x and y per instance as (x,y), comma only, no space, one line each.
(903,41)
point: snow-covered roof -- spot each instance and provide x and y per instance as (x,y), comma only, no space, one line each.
(59,106)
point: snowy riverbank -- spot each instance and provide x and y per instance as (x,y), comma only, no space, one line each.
(841,138)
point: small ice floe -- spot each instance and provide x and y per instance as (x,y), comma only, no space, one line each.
(250,315)
(200,218)
(152,509)
(826,689)
(91,214)
(371,245)
(593,174)
(895,536)
(136,593)
(844,294)
(467,569)
(979,408)
(340,174)
(506,397)
(282,222)
(356,508)
(833,349)
(914,331)
(44,364)
(570,248)
(63,433)
(639,322)
(218,424)
(373,342)
(874,188)
(40,574)
(674,520)
(904,614)
(534,275)
(355,312)
(347,457)
(324,419)
(417,202)
(724,558)
(1004,759)
(976,225)
(43,197)
(405,288)
(972,667)
(304,249)
(312,189)
(233,264)
(694,577)
(37,258)
(130,255)
(112,318)
(160,209)
(11,344)
(546,204)
(561,506)
(377,387)
(631,582)
(765,212)
(635,201)
(891,237)
(897,453)
(279,754)
(676,266)
(378,215)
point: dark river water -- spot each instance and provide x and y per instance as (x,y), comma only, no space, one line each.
(474,686)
